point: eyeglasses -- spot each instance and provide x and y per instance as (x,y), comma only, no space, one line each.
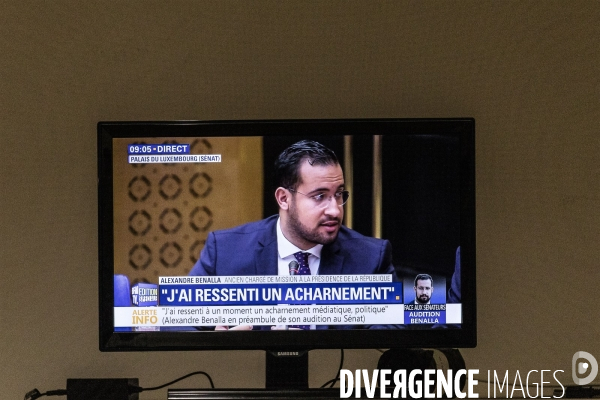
(322,200)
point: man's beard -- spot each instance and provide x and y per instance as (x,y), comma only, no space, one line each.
(305,233)
(423,298)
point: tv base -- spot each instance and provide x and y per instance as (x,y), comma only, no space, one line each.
(286,370)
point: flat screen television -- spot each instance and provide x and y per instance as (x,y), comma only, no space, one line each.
(192,213)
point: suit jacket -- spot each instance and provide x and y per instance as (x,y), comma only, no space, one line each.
(251,249)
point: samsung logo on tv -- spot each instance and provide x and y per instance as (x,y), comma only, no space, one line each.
(288,353)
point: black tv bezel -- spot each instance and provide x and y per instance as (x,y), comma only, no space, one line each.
(463,337)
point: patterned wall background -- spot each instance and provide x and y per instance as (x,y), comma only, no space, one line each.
(164,212)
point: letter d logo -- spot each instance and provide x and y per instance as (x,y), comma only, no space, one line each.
(583,367)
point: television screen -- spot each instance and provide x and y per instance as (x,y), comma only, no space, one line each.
(296,235)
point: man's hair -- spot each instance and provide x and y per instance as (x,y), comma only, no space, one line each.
(287,165)
(423,277)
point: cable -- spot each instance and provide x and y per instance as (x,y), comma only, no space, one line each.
(332,382)
(337,376)
(137,389)
(35,394)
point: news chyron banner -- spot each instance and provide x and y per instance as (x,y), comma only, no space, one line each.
(264,300)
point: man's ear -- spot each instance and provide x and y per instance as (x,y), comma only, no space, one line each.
(283,197)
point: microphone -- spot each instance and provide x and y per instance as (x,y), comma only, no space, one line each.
(293,265)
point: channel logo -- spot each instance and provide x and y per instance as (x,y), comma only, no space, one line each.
(582,367)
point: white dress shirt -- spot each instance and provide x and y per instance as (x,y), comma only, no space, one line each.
(285,255)
(286,250)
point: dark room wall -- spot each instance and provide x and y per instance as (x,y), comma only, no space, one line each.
(527,71)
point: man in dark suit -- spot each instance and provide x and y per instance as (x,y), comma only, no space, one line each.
(251,249)
(307,234)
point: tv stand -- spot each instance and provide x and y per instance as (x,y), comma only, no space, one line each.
(286,370)
(286,376)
